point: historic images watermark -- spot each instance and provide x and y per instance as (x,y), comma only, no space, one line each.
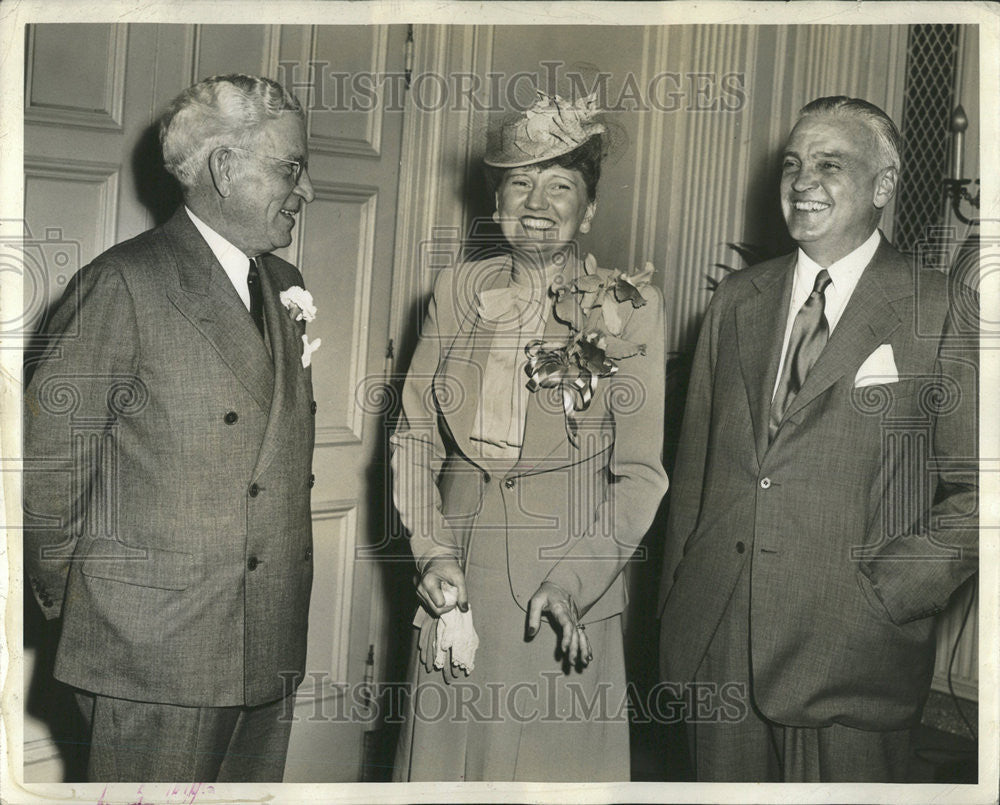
(552,698)
(332,90)
(43,264)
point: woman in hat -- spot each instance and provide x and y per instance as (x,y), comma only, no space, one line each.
(526,468)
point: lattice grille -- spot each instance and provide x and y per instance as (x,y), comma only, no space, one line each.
(931,56)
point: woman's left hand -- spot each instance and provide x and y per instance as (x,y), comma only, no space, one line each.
(558,605)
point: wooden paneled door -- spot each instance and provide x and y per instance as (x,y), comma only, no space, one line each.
(93,178)
(344,245)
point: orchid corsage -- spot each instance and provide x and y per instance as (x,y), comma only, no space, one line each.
(589,305)
(299,303)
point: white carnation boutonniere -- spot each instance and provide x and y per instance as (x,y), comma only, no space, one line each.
(299,303)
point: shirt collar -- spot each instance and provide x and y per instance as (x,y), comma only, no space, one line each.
(233,261)
(225,252)
(846,271)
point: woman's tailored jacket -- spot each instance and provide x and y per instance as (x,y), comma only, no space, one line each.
(569,515)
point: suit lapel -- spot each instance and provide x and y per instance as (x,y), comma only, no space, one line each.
(760,327)
(206,297)
(868,320)
(286,346)
(457,386)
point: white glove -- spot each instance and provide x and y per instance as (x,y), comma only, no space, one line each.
(455,633)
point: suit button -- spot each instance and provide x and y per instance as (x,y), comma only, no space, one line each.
(46,602)
(252,563)
(309,554)
(510,483)
(312,408)
(312,480)
(740,547)
(486,477)
(254,490)
(765,483)
(231,417)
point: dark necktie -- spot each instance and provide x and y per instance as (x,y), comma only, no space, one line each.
(256,297)
(809,335)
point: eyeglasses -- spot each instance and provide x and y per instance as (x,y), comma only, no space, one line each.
(299,166)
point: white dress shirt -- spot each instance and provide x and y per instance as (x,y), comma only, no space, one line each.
(233,261)
(844,276)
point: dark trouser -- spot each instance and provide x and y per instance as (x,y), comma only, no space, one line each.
(147,742)
(753,749)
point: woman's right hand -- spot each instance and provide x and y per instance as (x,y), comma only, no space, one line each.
(428,583)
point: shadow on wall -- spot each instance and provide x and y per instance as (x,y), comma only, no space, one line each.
(49,701)
(763,223)
(483,239)
(158,191)
(393,559)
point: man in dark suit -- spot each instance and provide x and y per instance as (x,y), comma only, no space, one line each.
(168,444)
(823,506)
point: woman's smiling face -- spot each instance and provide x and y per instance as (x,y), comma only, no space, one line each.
(541,209)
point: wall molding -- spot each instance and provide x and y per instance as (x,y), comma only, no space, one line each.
(649,161)
(423,174)
(272,51)
(366,197)
(965,670)
(107,119)
(41,750)
(343,578)
(714,191)
(103,174)
(371,144)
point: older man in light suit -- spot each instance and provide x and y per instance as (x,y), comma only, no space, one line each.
(824,501)
(168,444)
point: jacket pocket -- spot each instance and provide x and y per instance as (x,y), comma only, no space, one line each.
(138,565)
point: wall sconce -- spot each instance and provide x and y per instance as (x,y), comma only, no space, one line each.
(957,189)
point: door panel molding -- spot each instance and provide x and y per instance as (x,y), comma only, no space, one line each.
(102,174)
(351,430)
(370,145)
(339,574)
(107,118)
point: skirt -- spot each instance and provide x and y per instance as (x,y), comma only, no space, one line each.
(522,714)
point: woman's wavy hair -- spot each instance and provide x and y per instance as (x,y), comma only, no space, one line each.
(584,158)
(224,110)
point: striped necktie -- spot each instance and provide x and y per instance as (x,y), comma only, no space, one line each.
(810,333)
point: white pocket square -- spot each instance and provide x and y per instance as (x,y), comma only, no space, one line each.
(878,368)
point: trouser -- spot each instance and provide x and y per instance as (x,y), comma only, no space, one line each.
(149,742)
(753,749)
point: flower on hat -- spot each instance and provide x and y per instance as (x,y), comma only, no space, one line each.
(550,128)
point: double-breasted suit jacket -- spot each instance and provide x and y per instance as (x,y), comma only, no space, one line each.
(179,553)
(856,523)
(569,514)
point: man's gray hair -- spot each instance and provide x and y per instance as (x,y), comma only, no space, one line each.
(887,137)
(224,110)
